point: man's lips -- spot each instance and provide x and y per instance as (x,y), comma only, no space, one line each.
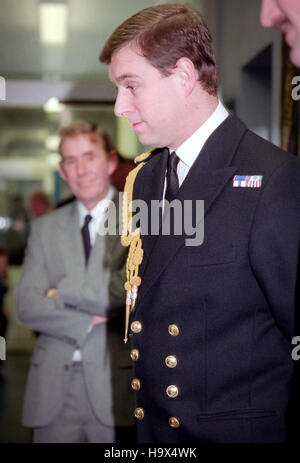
(135,125)
(84,183)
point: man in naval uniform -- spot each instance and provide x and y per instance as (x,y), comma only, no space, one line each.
(212,325)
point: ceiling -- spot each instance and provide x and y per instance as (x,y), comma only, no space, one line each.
(90,22)
(26,127)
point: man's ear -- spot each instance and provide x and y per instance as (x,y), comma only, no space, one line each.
(61,170)
(186,74)
(113,161)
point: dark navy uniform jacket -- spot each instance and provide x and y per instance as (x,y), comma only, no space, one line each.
(216,320)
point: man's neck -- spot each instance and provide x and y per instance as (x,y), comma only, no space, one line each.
(90,205)
(200,107)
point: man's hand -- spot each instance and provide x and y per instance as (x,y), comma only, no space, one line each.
(99,320)
(51,293)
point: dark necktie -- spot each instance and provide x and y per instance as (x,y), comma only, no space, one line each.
(86,237)
(172,177)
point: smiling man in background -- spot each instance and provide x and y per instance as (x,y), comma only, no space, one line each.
(71,292)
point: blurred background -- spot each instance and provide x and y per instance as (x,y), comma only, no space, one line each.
(51,75)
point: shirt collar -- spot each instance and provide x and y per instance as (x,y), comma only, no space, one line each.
(98,211)
(190,149)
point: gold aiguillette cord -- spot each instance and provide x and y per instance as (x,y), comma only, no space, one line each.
(133,240)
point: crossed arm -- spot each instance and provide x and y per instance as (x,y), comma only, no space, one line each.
(50,310)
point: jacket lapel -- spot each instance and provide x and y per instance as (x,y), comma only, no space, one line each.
(97,254)
(205,181)
(70,242)
(151,188)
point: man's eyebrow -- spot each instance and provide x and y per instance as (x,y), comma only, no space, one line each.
(85,153)
(88,152)
(126,76)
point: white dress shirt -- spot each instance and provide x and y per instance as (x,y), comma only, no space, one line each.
(190,149)
(97,214)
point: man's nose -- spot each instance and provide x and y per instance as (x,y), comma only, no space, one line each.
(81,167)
(270,13)
(122,105)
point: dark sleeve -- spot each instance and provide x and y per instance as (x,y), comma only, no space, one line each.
(274,244)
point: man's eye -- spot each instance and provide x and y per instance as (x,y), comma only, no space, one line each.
(132,88)
(69,162)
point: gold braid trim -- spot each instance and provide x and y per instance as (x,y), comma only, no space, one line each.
(143,156)
(133,240)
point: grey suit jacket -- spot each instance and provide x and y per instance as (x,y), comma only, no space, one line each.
(55,258)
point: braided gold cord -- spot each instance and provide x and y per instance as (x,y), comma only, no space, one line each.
(133,240)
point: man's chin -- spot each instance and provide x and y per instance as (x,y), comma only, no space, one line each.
(143,139)
(150,141)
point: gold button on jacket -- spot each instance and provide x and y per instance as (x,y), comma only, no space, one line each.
(136,384)
(136,327)
(171,361)
(173,330)
(139,413)
(134,354)
(172,391)
(174,422)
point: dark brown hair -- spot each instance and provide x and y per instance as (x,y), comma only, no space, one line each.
(95,133)
(165,33)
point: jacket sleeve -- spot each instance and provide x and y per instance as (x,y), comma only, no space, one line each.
(101,293)
(274,244)
(34,310)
